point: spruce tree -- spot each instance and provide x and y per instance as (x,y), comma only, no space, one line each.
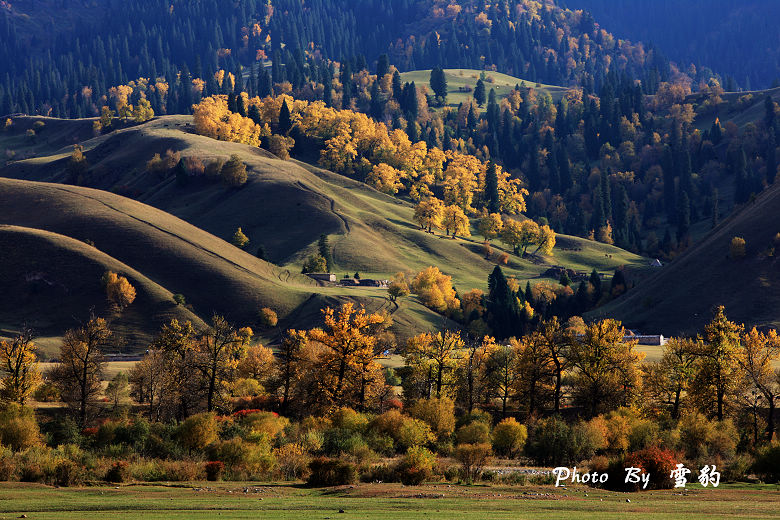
(492,197)
(771,157)
(382,66)
(503,311)
(326,252)
(480,95)
(285,119)
(439,84)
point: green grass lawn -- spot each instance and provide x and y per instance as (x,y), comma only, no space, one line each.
(381,501)
(457,78)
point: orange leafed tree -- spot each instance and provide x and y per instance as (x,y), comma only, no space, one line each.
(350,344)
(119,290)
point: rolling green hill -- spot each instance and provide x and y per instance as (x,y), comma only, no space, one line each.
(175,234)
(459,80)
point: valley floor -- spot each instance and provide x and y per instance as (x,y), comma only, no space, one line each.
(382,501)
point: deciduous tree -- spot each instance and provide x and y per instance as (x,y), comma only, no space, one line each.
(19,364)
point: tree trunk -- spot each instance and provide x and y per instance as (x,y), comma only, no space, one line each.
(676,406)
(770,420)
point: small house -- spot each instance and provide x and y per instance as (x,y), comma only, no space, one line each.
(322,277)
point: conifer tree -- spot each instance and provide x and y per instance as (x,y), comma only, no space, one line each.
(479,93)
(492,200)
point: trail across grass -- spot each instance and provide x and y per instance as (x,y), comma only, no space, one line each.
(382,501)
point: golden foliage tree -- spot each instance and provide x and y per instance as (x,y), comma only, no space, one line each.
(428,213)
(143,111)
(350,340)
(472,371)
(385,178)
(520,234)
(490,226)
(667,382)
(239,239)
(756,359)
(118,290)
(220,348)
(234,172)
(434,357)
(716,378)
(434,289)
(19,363)
(606,367)
(455,221)
(504,373)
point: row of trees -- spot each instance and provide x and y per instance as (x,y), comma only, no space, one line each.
(593,367)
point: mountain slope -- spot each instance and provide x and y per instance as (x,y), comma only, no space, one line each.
(286,205)
(680,297)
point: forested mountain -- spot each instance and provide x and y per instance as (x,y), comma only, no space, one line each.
(56,63)
(738,39)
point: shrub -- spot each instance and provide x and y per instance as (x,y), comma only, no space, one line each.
(556,443)
(416,466)
(439,414)
(405,431)
(214,168)
(292,461)
(194,166)
(331,472)
(280,146)
(342,441)
(472,458)
(509,437)
(349,419)
(268,317)
(233,172)
(18,427)
(737,248)
(68,473)
(181,470)
(46,392)
(236,454)
(475,433)
(198,431)
(767,465)
(214,470)
(179,299)
(119,472)
(270,424)
(658,462)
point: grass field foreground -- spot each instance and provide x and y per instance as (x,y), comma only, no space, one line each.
(382,501)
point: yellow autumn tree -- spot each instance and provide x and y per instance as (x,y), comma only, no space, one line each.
(461,179)
(349,341)
(434,289)
(219,350)
(19,364)
(143,111)
(490,225)
(606,368)
(433,358)
(520,234)
(118,290)
(385,178)
(455,221)
(428,213)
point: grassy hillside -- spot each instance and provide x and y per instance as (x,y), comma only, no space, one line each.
(457,79)
(285,206)
(741,108)
(55,281)
(680,297)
